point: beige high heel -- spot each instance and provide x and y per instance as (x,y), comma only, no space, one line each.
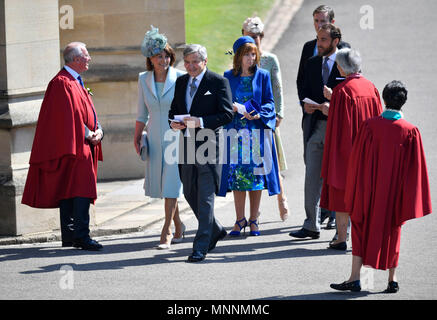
(165,245)
(283,208)
(179,240)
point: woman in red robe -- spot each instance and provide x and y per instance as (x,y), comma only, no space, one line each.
(353,101)
(387,184)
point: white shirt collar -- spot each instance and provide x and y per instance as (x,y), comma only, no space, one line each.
(198,78)
(332,56)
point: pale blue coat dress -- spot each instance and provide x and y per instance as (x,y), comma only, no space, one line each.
(154,100)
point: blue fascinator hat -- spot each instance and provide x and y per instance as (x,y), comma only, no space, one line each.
(240,41)
(153,43)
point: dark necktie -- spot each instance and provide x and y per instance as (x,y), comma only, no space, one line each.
(193,87)
(80,81)
(325,70)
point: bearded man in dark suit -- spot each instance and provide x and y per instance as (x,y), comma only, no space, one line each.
(320,72)
(323,14)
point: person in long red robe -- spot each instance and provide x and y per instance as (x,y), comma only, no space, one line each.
(353,101)
(387,184)
(65,151)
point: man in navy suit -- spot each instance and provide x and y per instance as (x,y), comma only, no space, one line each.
(320,71)
(207,98)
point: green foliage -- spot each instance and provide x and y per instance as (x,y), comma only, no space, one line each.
(216,24)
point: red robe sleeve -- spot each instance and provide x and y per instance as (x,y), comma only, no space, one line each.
(414,199)
(346,114)
(60,122)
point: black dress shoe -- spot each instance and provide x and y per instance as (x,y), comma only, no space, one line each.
(392,287)
(354,286)
(331,223)
(196,256)
(304,233)
(339,246)
(90,245)
(220,236)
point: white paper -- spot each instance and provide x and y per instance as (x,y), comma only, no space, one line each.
(241,108)
(181,117)
(308,100)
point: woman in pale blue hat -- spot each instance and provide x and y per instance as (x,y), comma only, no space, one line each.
(155,94)
(253,125)
(254,28)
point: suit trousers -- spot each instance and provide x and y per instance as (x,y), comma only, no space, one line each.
(313,181)
(75,219)
(199,188)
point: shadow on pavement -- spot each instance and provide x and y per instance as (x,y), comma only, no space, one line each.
(229,250)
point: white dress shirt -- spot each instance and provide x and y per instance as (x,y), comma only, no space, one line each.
(188,98)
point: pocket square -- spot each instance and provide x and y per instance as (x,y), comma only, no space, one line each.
(207,93)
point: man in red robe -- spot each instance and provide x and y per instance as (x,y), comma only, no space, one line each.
(387,184)
(353,101)
(65,151)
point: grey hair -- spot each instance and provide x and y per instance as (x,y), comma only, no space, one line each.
(73,50)
(196,48)
(349,60)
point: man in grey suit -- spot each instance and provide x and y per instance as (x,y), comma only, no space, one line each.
(320,71)
(207,98)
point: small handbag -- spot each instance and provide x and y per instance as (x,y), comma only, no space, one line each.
(144,146)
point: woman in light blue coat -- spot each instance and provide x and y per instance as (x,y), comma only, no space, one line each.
(155,94)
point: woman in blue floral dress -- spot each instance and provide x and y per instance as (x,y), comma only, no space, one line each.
(249,136)
(254,28)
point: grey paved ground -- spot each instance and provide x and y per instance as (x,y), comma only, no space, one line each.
(271,266)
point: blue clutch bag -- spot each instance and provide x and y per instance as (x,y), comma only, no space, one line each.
(252,107)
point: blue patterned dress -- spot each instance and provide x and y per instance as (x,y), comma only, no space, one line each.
(241,175)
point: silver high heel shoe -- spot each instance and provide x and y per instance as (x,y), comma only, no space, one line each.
(179,240)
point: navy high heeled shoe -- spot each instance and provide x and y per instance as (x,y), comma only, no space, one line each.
(256,232)
(237,233)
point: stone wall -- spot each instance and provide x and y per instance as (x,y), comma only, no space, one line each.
(113,31)
(32,35)
(29,58)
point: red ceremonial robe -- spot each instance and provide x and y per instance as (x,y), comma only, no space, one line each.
(387,184)
(62,165)
(353,101)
